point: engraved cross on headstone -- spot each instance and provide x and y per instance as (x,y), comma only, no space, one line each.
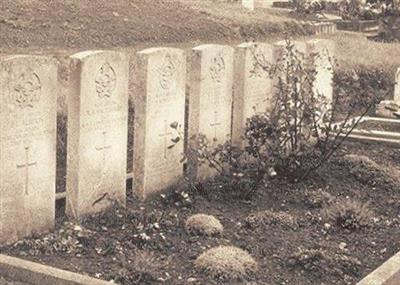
(104,148)
(26,166)
(165,135)
(215,124)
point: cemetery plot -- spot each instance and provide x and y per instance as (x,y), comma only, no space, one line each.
(28,97)
(280,239)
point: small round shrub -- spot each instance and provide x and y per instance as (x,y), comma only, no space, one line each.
(227,263)
(202,224)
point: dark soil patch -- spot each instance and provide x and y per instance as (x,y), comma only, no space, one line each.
(117,244)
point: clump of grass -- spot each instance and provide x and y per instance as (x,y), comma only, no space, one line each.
(323,262)
(227,263)
(202,224)
(369,172)
(317,198)
(146,267)
(264,218)
(349,214)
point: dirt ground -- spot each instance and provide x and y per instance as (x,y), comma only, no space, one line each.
(43,25)
(301,250)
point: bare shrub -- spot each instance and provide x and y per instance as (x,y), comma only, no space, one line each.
(349,214)
(227,263)
(204,225)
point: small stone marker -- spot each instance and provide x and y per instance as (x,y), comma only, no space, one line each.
(253,87)
(323,63)
(248,4)
(97,131)
(210,99)
(159,100)
(397,88)
(28,114)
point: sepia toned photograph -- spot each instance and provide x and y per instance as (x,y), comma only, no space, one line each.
(200,142)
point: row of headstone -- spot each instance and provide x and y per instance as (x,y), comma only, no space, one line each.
(97,96)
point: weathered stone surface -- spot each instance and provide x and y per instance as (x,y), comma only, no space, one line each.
(387,274)
(35,273)
(159,100)
(321,54)
(253,87)
(387,109)
(397,88)
(248,4)
(28,104)
(97,131)
(210,99)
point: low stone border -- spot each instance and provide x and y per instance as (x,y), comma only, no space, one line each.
(319,28)
(388,138)
(33,273)
(358,25)
(387,274)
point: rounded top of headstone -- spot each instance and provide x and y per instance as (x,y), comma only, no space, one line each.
(207,47)
(161,50)
(25,57)
(253,44)
(89,53)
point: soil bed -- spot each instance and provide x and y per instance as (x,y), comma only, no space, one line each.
(147,244)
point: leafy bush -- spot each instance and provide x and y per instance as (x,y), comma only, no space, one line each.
(308,6)
(357,9)
(361,88)
(349,214)
(227,263)
(294,139)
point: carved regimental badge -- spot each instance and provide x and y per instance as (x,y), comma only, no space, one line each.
(26,90)
(166,72)
(217,68)
(105,81)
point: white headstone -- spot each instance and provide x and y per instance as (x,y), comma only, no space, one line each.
(97,131)
(253,87)
(210,98)
(28,113)
(248,4)
(159,102)
(321,52)
(397,88)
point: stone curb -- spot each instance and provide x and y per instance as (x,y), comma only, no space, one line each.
(386,274)
(37,274)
